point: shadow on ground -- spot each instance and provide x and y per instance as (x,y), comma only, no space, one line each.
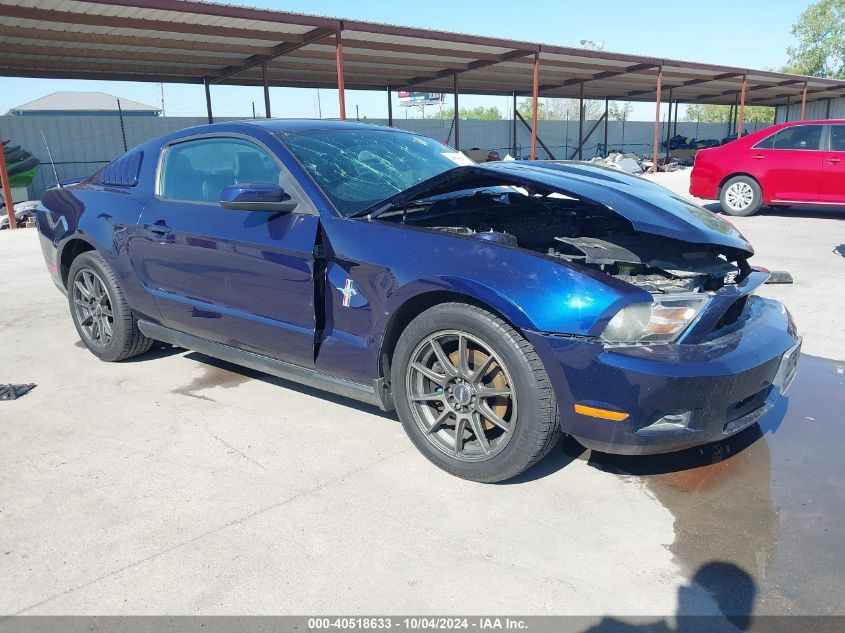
(219,373)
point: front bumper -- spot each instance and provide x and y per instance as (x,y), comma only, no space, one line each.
(675,396)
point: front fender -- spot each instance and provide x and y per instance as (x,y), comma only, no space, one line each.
(531,290)
(390,268)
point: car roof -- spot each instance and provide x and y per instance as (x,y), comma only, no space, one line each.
(267,126)
(297,125)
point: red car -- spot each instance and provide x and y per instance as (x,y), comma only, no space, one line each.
(789,164)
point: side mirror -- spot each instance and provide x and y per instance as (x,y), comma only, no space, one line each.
(256,197)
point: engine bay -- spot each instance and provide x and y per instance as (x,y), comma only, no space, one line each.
(580,232)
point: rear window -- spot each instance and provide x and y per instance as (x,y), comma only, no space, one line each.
(806,137)
(123,172)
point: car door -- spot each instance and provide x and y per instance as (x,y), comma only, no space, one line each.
(833,168)
(242,278)
(788,164)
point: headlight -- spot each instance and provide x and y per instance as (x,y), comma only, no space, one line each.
(661,321)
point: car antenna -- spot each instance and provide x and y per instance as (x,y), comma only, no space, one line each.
(50,154)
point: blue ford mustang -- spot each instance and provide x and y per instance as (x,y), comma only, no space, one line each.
(494,306)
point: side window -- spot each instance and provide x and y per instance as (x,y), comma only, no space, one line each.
(798,137)
(837,138)
(198,170)
(767,142)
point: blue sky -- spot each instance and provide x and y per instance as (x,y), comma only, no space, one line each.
(751,33)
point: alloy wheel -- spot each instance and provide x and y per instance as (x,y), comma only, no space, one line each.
(739,196)
(93,307)
(461,395)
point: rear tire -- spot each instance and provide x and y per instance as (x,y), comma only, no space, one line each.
(741,196)
(103,319)
(498,398)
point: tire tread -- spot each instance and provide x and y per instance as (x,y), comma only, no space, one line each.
(136,343)
(549,429)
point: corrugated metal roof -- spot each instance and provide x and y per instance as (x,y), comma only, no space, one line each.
(81,102)
(191,42)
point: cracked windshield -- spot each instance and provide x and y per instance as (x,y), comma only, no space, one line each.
(358,168)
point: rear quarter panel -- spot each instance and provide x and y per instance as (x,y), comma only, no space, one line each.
(104,218)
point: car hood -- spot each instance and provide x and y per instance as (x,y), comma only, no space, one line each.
(649,207)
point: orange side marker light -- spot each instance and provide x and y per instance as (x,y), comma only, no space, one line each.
(595,412)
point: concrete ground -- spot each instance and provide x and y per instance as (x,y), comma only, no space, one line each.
(176,484)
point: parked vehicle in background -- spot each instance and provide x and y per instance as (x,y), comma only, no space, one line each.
(23,212)
(790,164)
(494,306)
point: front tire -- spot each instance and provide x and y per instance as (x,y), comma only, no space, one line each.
(472,394)
(741,196)
(102,317)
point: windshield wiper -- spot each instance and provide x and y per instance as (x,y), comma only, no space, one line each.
(375,210)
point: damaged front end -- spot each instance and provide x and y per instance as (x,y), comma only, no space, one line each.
(615,224)
(691,357)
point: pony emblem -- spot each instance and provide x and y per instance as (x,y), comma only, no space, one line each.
(348,291)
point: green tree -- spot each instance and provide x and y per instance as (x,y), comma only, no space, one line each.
(479,112)
(820,31)
(620,111)
(710,113)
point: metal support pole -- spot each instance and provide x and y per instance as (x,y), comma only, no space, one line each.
(730,119)
(539,138)
(786,114)
(513,131)
(606,117)
(827,112)
(656,148)
(736,111)
(457,112)
(587,137)
(804,101)
(266,90)
(208,100)
(535,92)
(741,124)
(580,120)
(668,127)
(675,119)
(7,188)
(389,108)
(341,96)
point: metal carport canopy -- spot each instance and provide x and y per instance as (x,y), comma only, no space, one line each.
(185,41)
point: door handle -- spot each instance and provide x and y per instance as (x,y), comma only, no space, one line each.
(834,160)
(158,228)
(758,157)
